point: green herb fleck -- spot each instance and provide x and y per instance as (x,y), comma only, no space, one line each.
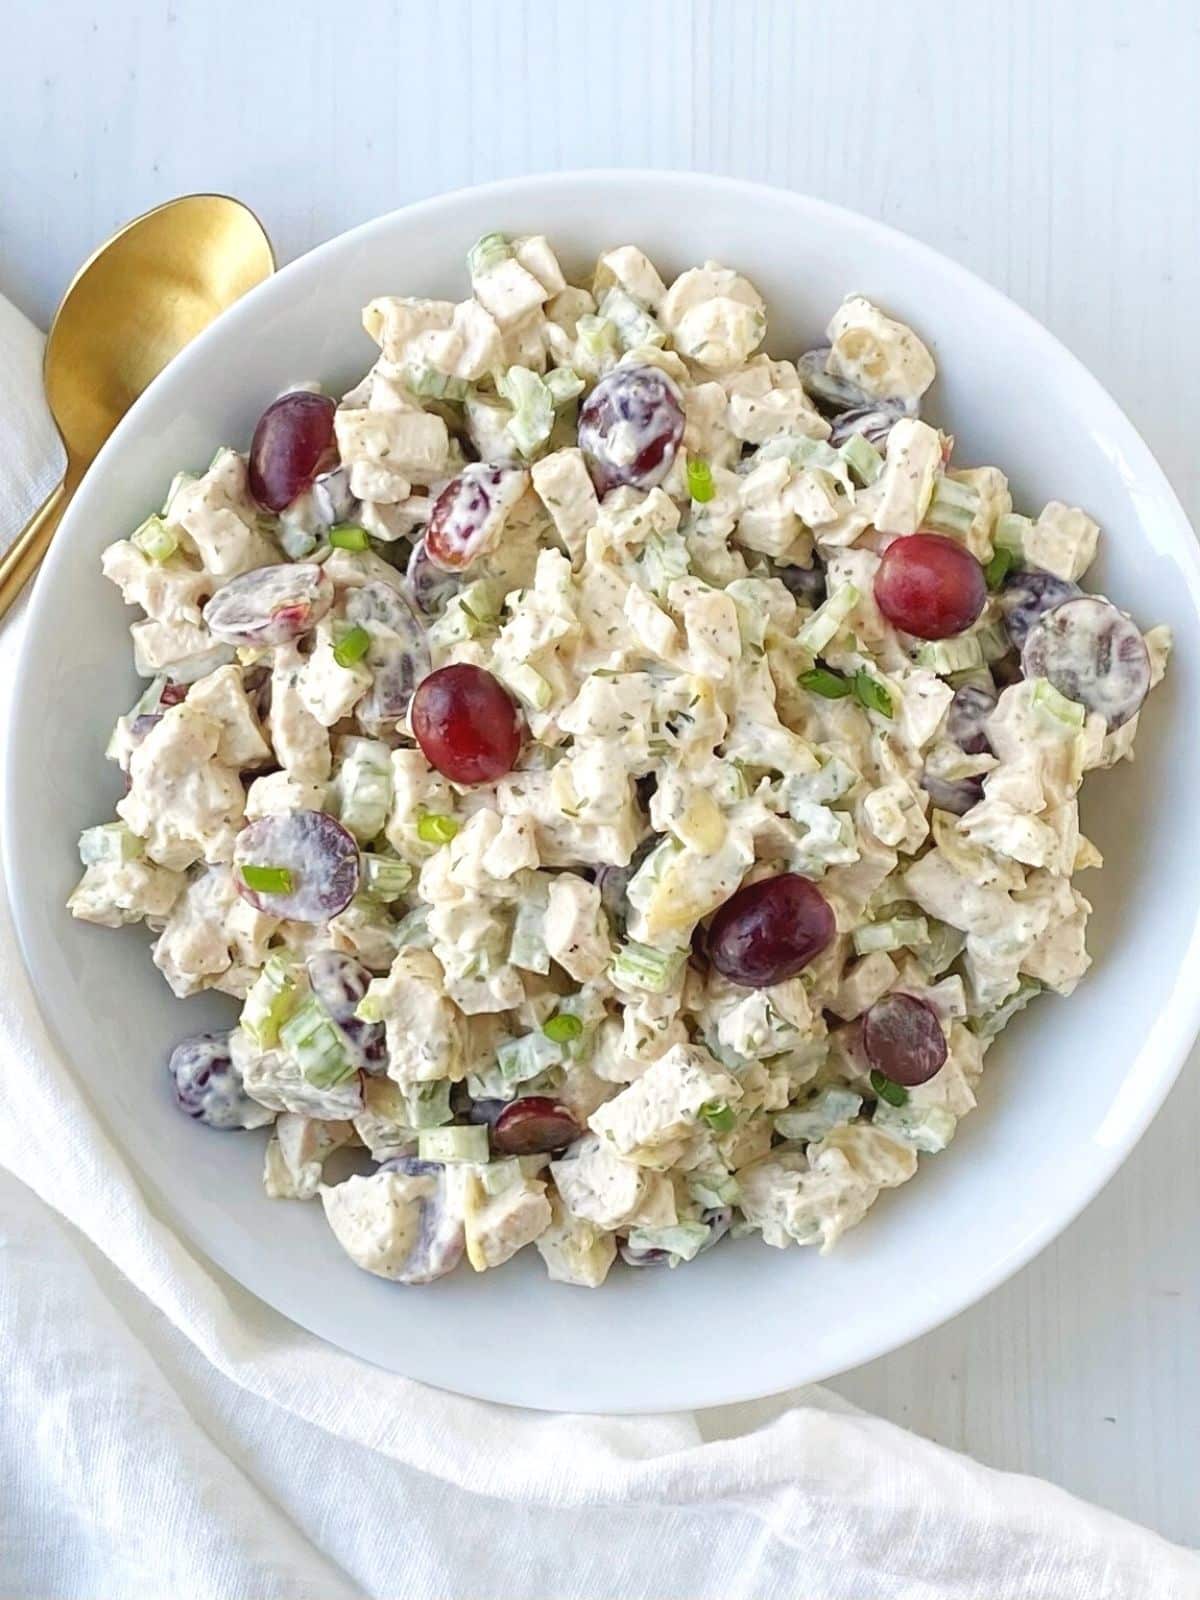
(894,1093)
(829,685)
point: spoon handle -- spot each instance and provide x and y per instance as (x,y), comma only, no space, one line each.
(23,557)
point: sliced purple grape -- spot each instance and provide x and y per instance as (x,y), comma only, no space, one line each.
(292,444)
(173,694)
(829,394)
(966,720)
(440,1241)
(642,1255)
(398,656)
(903,1039)
(534,1125)
(469,514)
(769,931)
(339,983)
(956,795)
(208,1086)
(484,1112)
(613,883)
(630,427)
(1093,654)
(332,499)
(1026,595)
(873,421)
(318,854)
(806,583)
(271,605)
(431,586)
(141,726)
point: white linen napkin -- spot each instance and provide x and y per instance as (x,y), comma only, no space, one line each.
(164,1433)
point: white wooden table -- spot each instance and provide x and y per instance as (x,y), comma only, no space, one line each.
(1051,147)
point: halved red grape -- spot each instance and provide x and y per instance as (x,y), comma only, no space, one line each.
(398,655)
(630,427)
(966,720)
(318,854)
(430,586)
(208,1086)
(769,931)
(468,516)
(292,443)
(339,983)
(270,605)
(929,586)
(534,1126)
(466,724)
(1092,653)
(903,1039)
(1027,594)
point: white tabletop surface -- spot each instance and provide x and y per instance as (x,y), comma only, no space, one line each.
(1053,148)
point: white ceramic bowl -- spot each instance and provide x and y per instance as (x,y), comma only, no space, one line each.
(1069,1089)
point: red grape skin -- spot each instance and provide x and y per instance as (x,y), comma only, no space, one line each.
(929,586)
(466,724)
(769,931)
(534,1125)
(292,443)
(632,403)
(903,1039)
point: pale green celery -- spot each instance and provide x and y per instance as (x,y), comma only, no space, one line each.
(109,843)
(564,384)
(598,338)
(685,1240)
(429,383)
(533,408)
(945,656)
(385,878)
(363,788)
(497,1176)
(925,1128)
(529,685)
(900,933)
(1056,707)
(820,629)
(155,540)
(814,1118)
(944,946)
(487,252)
(637,966)
(453,1144)
(413,930)
(861,456)
(953,508)
(428,1104)
(714,1189)
(990,1024)
(315,1045)
(994,641)
(269,1002)
(1010,533)
(832,781)
(528,948)
(664,558)
(528,1057)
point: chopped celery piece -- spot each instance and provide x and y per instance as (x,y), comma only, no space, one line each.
(637,966)
(994,641)
(349,536)
(945,945)
(953,508)
(385,877)
(453,1144)
(564,384)
(872,694)
(266,880)
(901,933)
(296,543)
(833,781)
(527,1057)
(1010,533)
(945,656)
(895,1094)
(528,949)
(664,558)
(714,1189)
(316,1046)
(634,325)
(861,456)
(562,1027)
(270,1001)
(363,787)
(825,621)
(719,1115)
(700,481)
(434,827)
(925,1128)
(682,1239)
(497,1176)
(109,843)
(352,646)
(598,338)
(413,930)
(155,540)
(487,252)
(813,1119)
(533,408)
(427,1105)
(529,685)
(989,1025)
(998,568)
(429,383)
(829,685)
(1056,707)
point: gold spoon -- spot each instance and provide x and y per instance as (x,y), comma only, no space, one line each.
(133,306)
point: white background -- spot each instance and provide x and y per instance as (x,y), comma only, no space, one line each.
(1053,147)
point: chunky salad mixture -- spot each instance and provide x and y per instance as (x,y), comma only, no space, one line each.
(627,780)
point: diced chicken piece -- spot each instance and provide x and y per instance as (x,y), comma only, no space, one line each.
(220,519)
(564,487)
(222,696)
(115,893)
(537,257)
(663,1106)
(301,742)
(499,1225)
(914,457)
(278,792)
(327,690)
(296,1154)
(575,1251)
(1063,541)
(628,268)
(426,1033)
(211,930)
(883,357)
(181,800)
(596,1185)
(576,929)
(388,451)
(394,322)
(509,291)
(171,591)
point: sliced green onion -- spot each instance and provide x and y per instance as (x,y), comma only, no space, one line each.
(316,1046)
(638,966)
(352,646)
(562,1027)
(348,536)
(894,1093)
(861,456)
(945,656)
(999,567)
(700,480)
(427,1105)
(487,252)
(719,1115)
(825,621)
(384,877)
(900,933)
(953,508)
(453,1144)
(872,694)
(434,827)
(829,685)
(109,842)
(1046,699)
(267,880)
(155,540)
(564,384)
(270,1000)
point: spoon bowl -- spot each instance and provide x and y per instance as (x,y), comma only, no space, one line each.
(145,294)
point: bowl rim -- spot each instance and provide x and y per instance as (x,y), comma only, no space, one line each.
(1180,1021)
